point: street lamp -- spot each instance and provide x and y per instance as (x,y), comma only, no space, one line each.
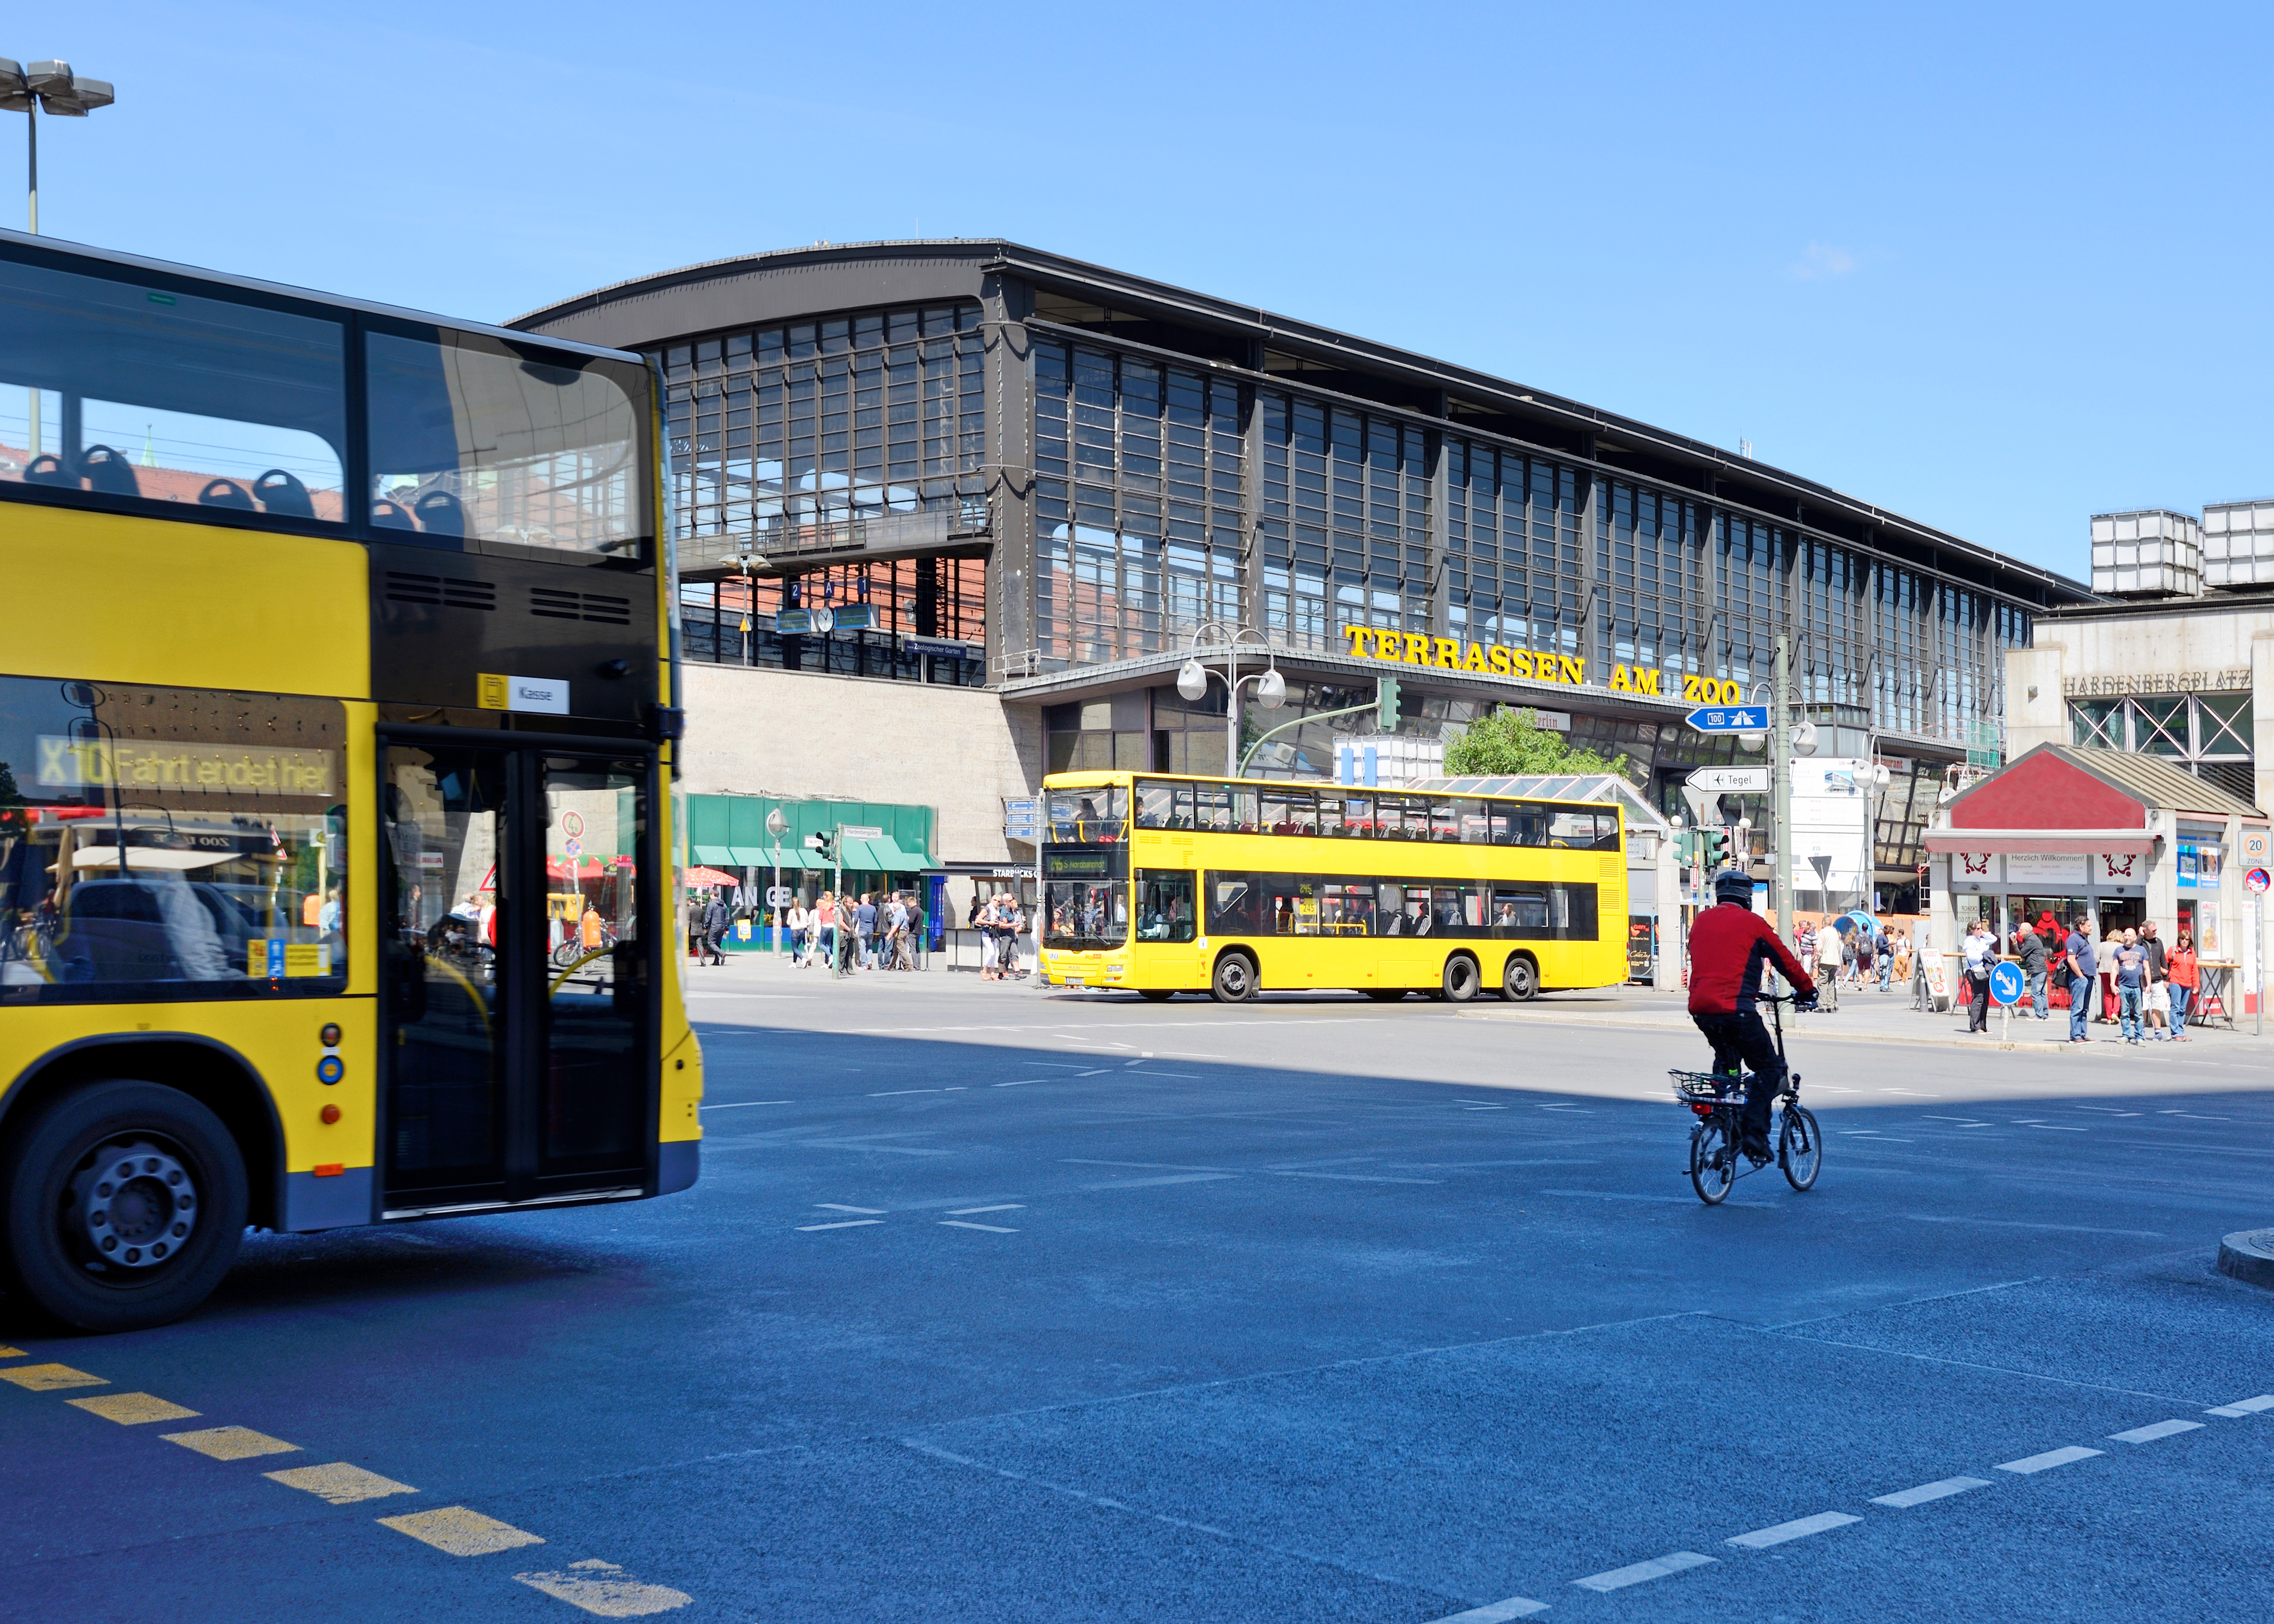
(1224,641)
(51,85)
(777,826)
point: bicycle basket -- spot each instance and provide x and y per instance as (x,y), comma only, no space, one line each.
(1708,1087)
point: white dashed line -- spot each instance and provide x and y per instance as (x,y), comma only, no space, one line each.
(2244,1406)
(1007,1206)
(2046,1462)
(1021,1083)
(738,1104)
(992,1229)
(850,1224)
(1761,1538)
(1099,1073)
(889,1094)
(1499,1612)
(2150,1433)
(839,1206)
(1903,1499)
(1657,1567)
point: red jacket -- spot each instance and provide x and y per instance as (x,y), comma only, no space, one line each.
(1727,946)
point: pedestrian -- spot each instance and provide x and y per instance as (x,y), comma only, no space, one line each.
(918,943)
(795,920)
(1978,947)
(1828,960)
(2185,979)
(2082,964)
(1014,928)
(864,925)
(1866,951)
(716,920)
(2157,999)
(2031,949)
(823,925)
(1883,954)
(848,926)
(2130,975)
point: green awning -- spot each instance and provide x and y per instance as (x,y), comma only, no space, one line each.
(715,856)
(774,857)
(898,859)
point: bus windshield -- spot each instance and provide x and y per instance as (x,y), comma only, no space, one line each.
(1095,817)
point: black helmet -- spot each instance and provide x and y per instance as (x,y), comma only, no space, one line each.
(1733,885)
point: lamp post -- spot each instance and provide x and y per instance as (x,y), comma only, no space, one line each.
(777,826)
(53,87)
(1215,639)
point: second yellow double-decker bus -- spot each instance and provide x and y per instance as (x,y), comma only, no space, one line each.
(337,710)
(1230,886)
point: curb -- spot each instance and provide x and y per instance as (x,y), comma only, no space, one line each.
(2249,1255)
(1669,1027)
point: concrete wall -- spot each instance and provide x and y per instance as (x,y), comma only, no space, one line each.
(960,750)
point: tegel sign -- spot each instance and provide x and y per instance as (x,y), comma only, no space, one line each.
(1729,719)
(1731,780)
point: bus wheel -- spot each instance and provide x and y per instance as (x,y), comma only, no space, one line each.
(1519,983)
(1461,978)
(125,1203)
(1156,995)
(1384,994)
(1235,979)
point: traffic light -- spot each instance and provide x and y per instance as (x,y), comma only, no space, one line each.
(825,844)
(1712,849)
(1385,704)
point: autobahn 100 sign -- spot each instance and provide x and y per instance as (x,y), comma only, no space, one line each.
(2006,983)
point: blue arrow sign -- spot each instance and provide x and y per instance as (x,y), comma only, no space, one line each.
(2006,983)
(1729,719)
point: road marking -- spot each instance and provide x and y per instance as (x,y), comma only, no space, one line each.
(1007,1206)
(2244,1406)
(1099,1073)
(957,1088)
(609,1598)
(14,1353)
(1353,1178)
(2046,1462)
(1903,1499)
(1761,1538)
(1173,1178)
(339,1482)
(2160,1429)
(131,1408)
(460,1531)
(850,1224)
(839,1206)
(2017,1223)
(2050,1127)
(992,1229)
(231,1443)
(1487,1108)
(745,1104)
(1657,1567)
(49,1378)
(1514,1607)
(1021,1083)
(894,1093)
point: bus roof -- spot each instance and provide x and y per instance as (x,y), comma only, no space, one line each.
(1101,778)
(309,295)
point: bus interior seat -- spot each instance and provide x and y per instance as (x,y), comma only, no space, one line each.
(440,513)
(226,493)
(281,492)
(48,468)
(392,514)
(108,472)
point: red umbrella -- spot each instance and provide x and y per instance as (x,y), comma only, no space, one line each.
(709,876)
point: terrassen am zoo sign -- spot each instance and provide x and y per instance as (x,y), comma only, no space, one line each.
(1497,659)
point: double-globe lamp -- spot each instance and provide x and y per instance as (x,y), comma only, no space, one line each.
(53,88)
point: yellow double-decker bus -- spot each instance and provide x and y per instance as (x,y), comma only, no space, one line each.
(336,702)
(1230,886)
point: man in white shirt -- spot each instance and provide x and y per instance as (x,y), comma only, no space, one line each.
(1978,948)
(1827,961)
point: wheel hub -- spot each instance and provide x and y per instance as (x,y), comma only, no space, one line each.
(135,1205)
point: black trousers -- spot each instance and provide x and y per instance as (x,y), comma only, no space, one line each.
(1745,1036)
(1977,1002)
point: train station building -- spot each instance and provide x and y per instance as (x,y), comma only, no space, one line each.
(950,514)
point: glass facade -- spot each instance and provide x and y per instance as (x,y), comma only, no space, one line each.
(1139,500)
(1345,524)
(1650,557)
(937,601)
(2208,734)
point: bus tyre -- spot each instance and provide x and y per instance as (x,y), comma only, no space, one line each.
(1461,979)
(1385,994)
(124,1202)
(1156,995)
(1235,980)
(1519,982)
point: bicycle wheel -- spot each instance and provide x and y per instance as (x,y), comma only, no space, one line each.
(1800,1147)
(1712,1161)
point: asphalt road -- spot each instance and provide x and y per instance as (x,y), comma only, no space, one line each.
(998,1305)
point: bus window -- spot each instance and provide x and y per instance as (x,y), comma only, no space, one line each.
(1457,910)
(1606,832)
(1502,818)
(1476,826)
(1164,905)
(1330,814)
(1390,909)
(1295,905)
(1212,808)
(1232,905)
(114,388)
(1157,806)
(1088,816)
(1521,912)
(1531,826)
(1389,817)
(1359,818)
(1302,813)
(479,439)
(1247,814)
(1445,821)
(1346,908)
(1182,818)
(1277,819)
(1085,914)
(1578,831)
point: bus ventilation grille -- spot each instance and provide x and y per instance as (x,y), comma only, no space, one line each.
(556,604)
(405,588)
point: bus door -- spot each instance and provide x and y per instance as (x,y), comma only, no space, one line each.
(1166,914)
(515,1056)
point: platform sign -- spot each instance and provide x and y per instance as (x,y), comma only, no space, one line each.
(1729,719)
(2006,983)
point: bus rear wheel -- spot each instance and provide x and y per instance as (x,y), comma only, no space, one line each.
(1461,979)
(1156,995)
(1385,994)
(124,1206)
(1519,982)
(1235,979)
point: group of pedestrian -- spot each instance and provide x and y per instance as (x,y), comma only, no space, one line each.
(1000,921)
(844,931)
(712,920)
(1865,955)
(2155,985)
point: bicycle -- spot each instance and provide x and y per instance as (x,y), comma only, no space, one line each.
(1718,1100)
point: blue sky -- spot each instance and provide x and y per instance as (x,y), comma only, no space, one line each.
(1996,268)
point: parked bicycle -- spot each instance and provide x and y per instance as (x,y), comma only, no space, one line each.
(1718,1100)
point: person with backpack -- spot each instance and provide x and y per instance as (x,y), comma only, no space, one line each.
(716,920)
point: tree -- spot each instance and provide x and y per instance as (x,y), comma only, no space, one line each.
(1511,741)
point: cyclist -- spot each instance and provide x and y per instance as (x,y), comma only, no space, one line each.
(1728,943)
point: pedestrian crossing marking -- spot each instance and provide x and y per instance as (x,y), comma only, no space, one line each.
(131,1408)
(460,1530)
(231,1443)
(339,1482)
(49,1377)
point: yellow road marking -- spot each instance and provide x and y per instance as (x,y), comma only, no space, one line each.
(607,1597)
(231,1443)
(340,1482)
(131,1408)
(460,1531)
(48,1378)
(12,1353)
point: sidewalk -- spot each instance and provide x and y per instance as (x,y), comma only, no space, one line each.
(1866,1016)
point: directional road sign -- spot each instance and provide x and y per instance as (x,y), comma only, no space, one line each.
(1729,719)
(2006,983)
(1730,780)
(863,831)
